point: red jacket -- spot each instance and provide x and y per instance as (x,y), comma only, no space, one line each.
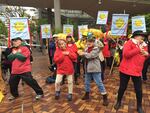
(19,67)
(106,51)
(133,61)
(64,62)
(73,47)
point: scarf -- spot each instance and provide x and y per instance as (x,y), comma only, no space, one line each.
(90,49)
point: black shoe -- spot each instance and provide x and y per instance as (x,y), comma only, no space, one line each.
(117,105)
(86,96)
(57,95)
(69,97)
(105,100)
(140,110)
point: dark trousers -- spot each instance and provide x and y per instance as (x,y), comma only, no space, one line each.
(109,61)
(76,74)
(102,70)
(145,67)
(124,79)
(51,59)
(27,77)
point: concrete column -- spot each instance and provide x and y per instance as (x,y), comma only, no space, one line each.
(57,14)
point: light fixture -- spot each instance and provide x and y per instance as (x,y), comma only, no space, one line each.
(99,1)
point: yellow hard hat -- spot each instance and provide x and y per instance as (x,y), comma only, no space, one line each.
(85,33)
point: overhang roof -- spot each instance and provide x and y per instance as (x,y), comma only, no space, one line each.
(89,6)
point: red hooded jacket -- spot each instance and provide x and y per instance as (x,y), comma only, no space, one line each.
(20,67)
(73,47)
(64,62)
(133,61)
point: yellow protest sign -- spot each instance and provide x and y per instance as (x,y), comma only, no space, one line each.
(138,23)
(120,23)
(19,26)
(102,16)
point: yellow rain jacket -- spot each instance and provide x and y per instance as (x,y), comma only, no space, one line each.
(81,44)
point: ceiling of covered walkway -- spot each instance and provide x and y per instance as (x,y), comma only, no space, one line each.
(132,7)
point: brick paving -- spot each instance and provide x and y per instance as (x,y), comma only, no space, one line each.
(27,104)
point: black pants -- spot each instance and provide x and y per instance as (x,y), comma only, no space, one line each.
(124,79)
(27,77)
(109,61)
(145,67)
(76,74)
(51,59)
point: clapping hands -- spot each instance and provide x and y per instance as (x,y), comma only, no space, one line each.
(81,53)
(144,53)
(66,52)
(15,51)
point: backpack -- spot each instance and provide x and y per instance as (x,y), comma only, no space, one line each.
(50,80)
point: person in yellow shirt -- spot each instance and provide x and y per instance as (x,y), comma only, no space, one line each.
(82,42)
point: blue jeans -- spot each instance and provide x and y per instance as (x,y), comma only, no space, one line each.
(97,79)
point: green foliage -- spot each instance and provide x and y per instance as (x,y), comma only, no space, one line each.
(14,11)
(39,22)
(3,29)
(56,31)
(33,28)
(147,18)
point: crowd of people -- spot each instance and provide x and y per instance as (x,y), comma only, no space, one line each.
(67,57)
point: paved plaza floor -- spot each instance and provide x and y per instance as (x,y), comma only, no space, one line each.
(27,104)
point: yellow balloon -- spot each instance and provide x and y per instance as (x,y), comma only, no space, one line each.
(97,33)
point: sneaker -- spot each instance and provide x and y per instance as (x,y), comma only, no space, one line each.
(38,97)
(69,97)
(11,98)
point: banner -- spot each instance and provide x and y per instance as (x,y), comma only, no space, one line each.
(19,27)
(46,31)
(68,29)
(102,17)
(138,23)
(82,29)
(119,24)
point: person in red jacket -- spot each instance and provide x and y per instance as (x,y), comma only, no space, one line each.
(64,58)
(21,69)
(134,55)
(72,46)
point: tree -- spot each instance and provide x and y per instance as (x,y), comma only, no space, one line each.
(147,19)
(14,11)
(3,29)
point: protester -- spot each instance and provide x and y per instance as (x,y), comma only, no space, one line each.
(93,69)
(134,55)
(147,61)
(21,69)
(101,57)
(72,46)
(64,58)
(120,49)
(51,50)
(81,46)
(106,52)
